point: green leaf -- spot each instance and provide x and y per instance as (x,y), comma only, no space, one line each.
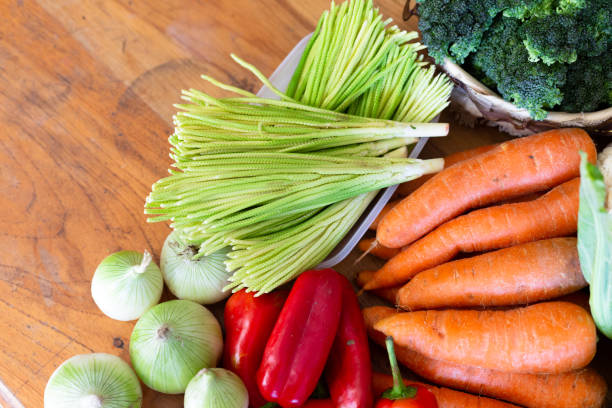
(595,244)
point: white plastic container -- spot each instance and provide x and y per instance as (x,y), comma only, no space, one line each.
(280,79)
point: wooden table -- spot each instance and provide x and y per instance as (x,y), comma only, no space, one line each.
(86,94)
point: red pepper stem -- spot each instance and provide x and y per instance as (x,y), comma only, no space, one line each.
(399,390)
(398,382)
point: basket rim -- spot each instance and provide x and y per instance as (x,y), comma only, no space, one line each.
(458,74)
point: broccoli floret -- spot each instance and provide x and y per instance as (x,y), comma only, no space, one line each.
(529,8)
(552,39)
(502,57)
(454,28)
(570,6)
(589,84)
(561,37)
(525,9)
(538,54)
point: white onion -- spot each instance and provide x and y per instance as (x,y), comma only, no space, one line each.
(126,284)
(216,388)
(95,380)
(171,342)
(201,280)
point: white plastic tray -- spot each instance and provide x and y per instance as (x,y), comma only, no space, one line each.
(280,79)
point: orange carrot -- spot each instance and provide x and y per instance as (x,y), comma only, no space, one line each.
(513,168)
(550,337)
(388,294)
(518,275)
(445,397)
(408,187)
(584,388)
(371,246)
(383,212)
(555,214)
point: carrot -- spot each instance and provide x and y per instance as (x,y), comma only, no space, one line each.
(388,294)
(513,168)
(550,337)
(371,246)
(445,397)
(555,214)
(583,388)
(408,187)
(518,275)
(383,212)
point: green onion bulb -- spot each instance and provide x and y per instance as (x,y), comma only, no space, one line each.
(171,342)
(96,380)
(127,284)
(201,280)
(216,388)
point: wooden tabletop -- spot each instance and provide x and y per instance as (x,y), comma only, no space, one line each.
(86,94)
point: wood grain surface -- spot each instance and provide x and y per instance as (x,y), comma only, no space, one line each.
(86,94)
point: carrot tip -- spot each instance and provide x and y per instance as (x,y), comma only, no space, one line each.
(372,246)
(369,286)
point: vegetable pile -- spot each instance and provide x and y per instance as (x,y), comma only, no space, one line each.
(281,348)
(524,196)
(539,54)
(579,388)
(262,190)
(260,178)
(278,184)
(283,343)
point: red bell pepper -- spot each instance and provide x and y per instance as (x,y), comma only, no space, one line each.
(299,345)
(311,403)
(249,320)
(401,395)
(349,371)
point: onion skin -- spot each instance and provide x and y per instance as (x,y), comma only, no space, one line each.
(125,286)
(93,380)
(201,280)
(210,386)
(172,342)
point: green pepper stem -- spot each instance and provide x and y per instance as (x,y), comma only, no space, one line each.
(398,382)
(399,390)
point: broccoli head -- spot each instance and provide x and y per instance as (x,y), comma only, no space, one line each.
(589,84)
(504,60)
(562,37)
(454,28)
(539,54)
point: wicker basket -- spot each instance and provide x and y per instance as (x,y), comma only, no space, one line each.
(475,102)
(472,97)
